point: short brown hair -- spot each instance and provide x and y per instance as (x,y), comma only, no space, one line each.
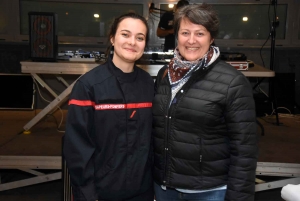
(201,14)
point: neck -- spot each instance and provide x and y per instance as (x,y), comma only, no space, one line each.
(123,66)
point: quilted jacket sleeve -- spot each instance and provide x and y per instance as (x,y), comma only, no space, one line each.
(160,75)
(241,121)
(78,145)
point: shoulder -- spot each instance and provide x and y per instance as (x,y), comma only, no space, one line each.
(224,73)
(162,72)
(96,75)
(160,76)
(168,15)
(225,68)
(144,76)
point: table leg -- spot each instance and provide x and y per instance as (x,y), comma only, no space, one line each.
(53,105)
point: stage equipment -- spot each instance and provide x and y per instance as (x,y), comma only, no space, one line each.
(43,36)
(274,24)
(239,65)
(236,59)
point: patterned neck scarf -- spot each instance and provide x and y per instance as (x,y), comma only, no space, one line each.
(180,69)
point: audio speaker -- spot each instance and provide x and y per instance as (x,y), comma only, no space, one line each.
(43,36)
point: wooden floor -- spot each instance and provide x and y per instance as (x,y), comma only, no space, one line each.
(279,144)
(44,139)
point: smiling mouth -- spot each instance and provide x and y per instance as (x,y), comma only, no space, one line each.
(192,48)
(130,50)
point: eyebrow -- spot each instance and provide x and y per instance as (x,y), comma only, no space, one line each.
(130,32)
(194,30)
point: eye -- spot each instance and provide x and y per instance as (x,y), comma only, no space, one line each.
(125,35)
(200,34)
(140,38)
(185,33)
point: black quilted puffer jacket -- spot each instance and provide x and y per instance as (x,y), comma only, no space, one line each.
(207,136)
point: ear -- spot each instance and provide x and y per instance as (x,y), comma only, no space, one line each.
(112,41)
(212,40)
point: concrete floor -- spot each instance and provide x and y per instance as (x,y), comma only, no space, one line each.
(280,144)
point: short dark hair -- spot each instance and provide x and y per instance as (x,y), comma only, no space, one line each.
(114,26)
(181,3)
(198,14)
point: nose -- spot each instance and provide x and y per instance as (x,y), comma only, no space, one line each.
(191,39)
(131,40)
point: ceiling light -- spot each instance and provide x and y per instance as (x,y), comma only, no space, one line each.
(171,5)
(245,19)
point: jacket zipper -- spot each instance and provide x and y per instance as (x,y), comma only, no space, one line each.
(178,96)
(200,160)
(126,123)
(166,149)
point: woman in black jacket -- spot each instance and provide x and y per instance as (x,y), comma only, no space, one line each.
(107,144)
(205,141)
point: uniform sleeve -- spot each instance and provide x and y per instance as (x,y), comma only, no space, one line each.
(242,128)
(79,147)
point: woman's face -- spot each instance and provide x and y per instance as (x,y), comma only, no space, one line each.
(193,40)
(129,41)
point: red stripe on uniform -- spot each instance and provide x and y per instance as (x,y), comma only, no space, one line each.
(81,102)
(122,106)
(138,105)
(109,106)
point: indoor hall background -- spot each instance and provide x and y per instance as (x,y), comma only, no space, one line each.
(280,143)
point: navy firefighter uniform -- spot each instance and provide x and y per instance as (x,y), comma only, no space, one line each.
(107,144)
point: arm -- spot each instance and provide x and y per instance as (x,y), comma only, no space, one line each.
(241,123)
(163,32)
(79,146)
(164,28)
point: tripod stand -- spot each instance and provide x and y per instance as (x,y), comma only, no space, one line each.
(274,24)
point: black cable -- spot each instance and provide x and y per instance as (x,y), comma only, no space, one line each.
(57,128)
(269,122)
(262,59)
(273,34)
(260,51)
(2,145)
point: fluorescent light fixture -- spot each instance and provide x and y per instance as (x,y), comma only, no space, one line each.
(96,15)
